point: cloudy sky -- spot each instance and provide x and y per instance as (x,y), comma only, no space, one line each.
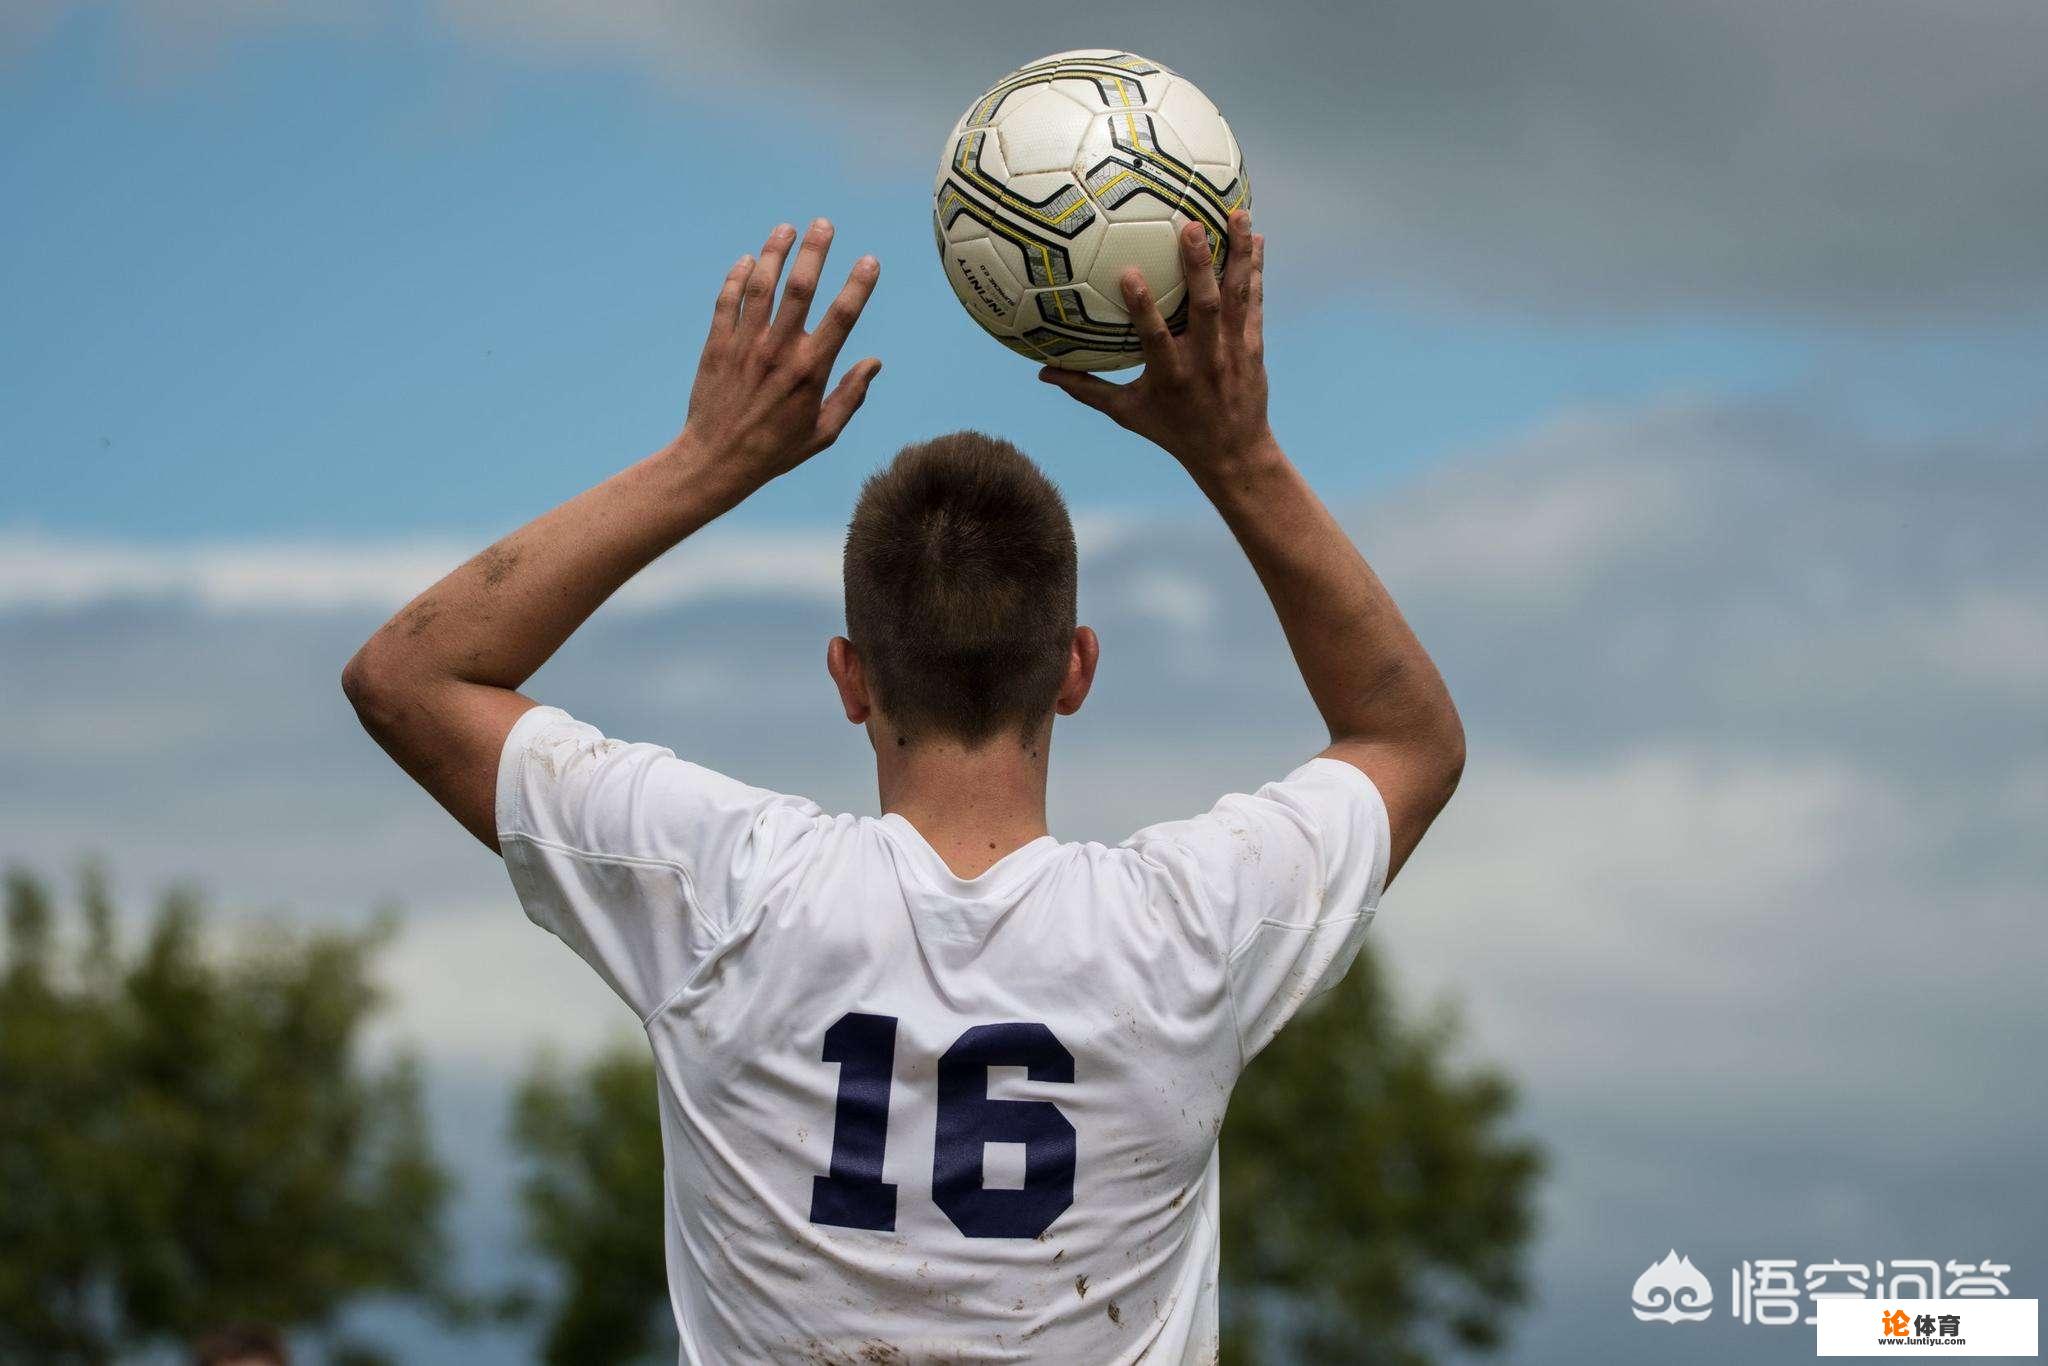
(1679,365)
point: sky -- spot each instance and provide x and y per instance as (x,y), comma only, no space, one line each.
(1679,365)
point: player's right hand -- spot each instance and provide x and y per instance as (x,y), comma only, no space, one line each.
(1202,396)
(759,406)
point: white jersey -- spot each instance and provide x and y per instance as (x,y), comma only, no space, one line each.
(909,1116)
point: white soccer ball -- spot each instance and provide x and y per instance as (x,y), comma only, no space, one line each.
(1061,177)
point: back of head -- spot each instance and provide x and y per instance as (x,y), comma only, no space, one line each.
(960,588)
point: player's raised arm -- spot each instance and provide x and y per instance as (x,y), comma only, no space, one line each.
(1202,397)
(436,684)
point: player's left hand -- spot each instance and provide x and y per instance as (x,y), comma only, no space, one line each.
(1202,396)
(759,406)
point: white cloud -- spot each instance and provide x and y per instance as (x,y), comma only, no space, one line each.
(43,570)
(1700,891)
(1547,541)
(1998,636)
(38,570)
(467,977)
(1180,600)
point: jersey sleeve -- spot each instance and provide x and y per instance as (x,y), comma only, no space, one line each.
(634,858)
(1287,879)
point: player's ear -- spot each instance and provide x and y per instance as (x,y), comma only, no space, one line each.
(1082,655)
(842,661)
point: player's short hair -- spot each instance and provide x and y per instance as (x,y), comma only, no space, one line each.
(960,582)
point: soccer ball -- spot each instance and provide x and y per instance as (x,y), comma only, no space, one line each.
(1064,175)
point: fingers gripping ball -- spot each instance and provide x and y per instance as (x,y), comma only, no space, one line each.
(1065,174)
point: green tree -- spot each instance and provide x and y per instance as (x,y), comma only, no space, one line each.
(1375,1205)
(593,1205)
(189,1137)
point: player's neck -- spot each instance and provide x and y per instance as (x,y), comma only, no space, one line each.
(973,804)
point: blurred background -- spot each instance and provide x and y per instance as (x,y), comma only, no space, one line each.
(1680,365)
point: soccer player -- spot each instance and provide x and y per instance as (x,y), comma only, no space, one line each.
(933,1085)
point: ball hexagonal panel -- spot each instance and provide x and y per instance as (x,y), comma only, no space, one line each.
(1040,130)
(1152,247)
(1200,128)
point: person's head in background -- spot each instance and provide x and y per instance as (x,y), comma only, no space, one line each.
(242,1344)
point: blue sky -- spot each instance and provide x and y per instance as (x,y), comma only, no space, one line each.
(1679,365)
(293,280)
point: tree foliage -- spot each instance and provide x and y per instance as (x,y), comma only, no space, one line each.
(593,1205)
(1374,1206)
(188,1138)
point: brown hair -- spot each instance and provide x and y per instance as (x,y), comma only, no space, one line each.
(960,582)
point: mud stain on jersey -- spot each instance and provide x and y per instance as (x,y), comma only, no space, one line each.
(873,1352)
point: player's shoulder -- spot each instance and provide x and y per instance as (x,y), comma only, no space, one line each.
(1321,792)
